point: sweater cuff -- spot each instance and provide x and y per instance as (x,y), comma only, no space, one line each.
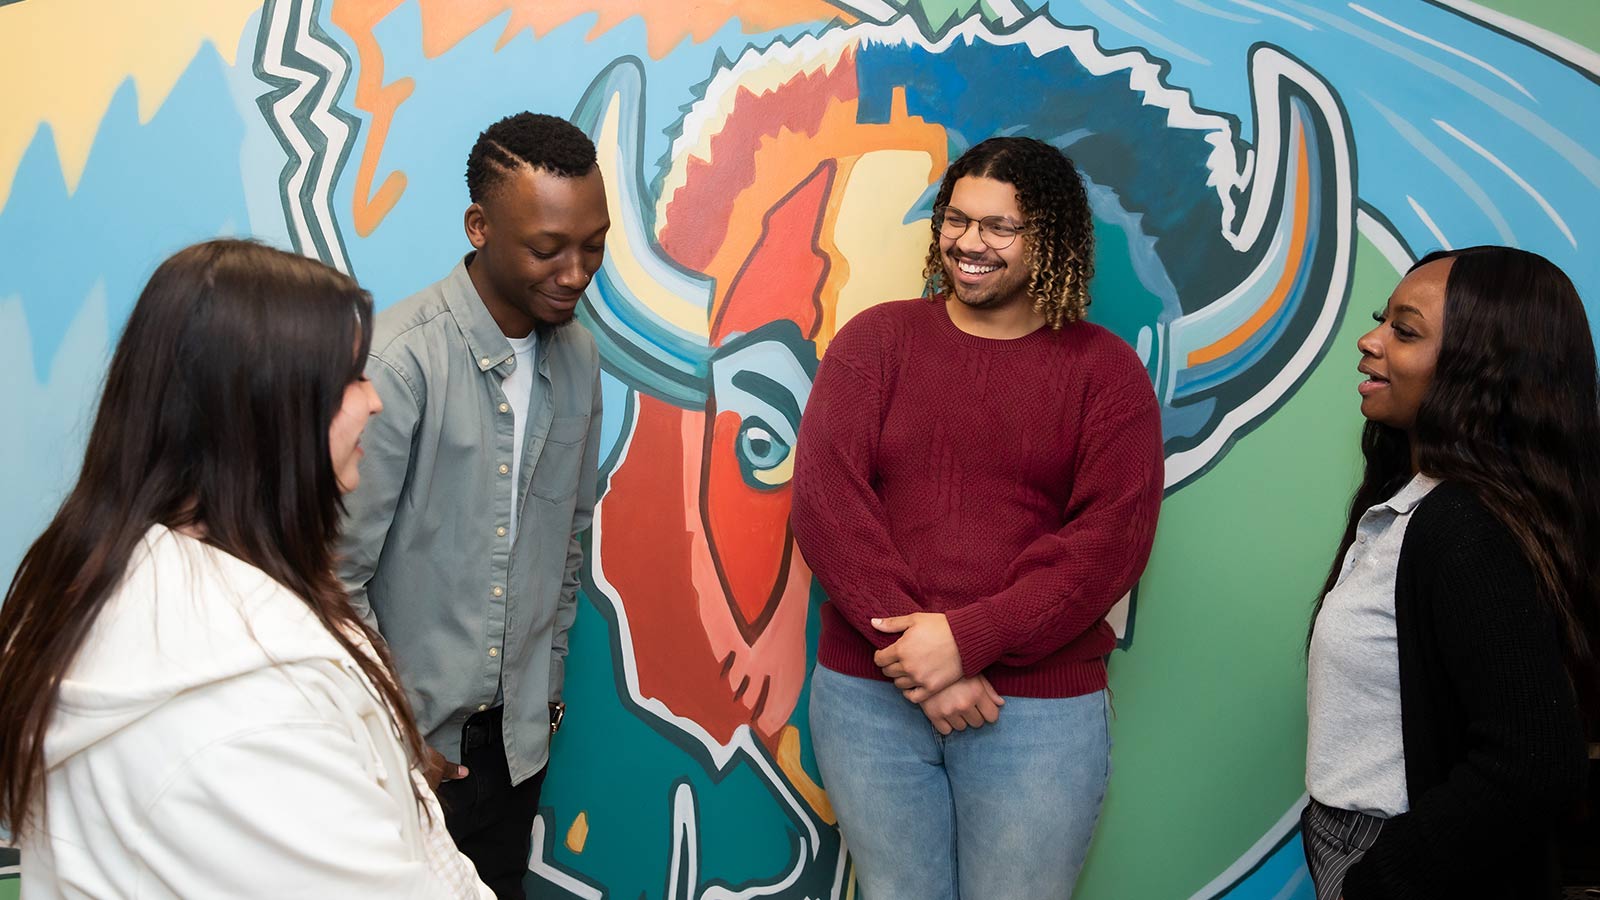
(976,638)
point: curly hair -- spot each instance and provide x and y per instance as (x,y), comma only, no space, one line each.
(1060,232)
(527,139)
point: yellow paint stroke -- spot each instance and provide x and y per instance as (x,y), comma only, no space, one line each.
(889,251)
(445,23)
(810,791)
(1280,292)
(578,834)
(61,61)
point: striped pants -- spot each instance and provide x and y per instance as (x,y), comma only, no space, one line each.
(1335,840)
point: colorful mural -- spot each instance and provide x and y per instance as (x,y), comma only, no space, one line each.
(1258,170)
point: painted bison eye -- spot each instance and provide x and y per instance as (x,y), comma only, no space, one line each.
(764,457)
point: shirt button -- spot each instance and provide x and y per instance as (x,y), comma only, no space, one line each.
(498,590)
(494,651)
(504,468)
(484,362)
(483,707)
(500,532)
(505,407)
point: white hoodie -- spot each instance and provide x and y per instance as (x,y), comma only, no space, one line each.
(212,739)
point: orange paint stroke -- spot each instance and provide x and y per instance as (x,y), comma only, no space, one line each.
(445,23)
(1297,249)
(839,264)
(810,791)
(358,18)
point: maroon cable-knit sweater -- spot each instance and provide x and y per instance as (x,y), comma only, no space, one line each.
(1012,485)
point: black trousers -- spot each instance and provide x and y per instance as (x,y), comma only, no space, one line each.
(491,821)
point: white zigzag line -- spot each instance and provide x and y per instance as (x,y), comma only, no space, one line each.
(321,224)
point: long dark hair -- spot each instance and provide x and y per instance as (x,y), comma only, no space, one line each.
(1512,414)
(214,418)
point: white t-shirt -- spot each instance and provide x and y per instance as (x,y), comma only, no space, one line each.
(518,388)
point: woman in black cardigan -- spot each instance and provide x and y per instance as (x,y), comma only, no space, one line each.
(1453,683)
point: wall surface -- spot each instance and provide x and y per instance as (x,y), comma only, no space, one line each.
(1260,170)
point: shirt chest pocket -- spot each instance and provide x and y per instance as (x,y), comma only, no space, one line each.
(555,475)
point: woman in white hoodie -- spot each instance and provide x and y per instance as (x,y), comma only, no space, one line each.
(190,706)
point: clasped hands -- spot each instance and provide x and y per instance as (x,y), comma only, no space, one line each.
(925,665)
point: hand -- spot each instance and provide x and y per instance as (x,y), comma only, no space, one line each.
(970,701)
(436,768)
(924,661)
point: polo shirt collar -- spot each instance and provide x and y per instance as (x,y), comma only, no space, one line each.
(1406,500)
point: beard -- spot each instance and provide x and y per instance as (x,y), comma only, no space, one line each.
(1000,288)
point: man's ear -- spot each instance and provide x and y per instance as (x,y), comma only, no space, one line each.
(477,226)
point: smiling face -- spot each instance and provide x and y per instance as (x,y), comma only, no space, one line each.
(1400,355)
(540,237)
(980,276)
(360,403)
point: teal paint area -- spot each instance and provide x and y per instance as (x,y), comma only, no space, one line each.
(624,771)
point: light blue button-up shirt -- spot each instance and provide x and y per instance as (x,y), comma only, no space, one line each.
(470,614)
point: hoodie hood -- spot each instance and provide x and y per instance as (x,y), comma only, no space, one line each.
(186,615)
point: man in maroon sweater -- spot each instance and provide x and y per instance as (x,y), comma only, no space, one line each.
(978,477)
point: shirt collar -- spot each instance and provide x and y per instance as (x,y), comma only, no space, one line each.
(1407,498)
(490,349)
(488,344)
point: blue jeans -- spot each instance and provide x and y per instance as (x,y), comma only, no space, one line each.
(1002,812)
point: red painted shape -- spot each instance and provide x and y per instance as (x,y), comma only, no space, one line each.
(749,532)
(783,275)
(647,554)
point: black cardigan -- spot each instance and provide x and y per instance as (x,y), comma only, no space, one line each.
(1494,745)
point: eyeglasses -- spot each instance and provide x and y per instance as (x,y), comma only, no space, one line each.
(997,232)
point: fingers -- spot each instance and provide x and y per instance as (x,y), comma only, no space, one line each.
(972,717)
(894,670)
(919,694)
(992,695)
(940,681)
(905,682)
(887,656)
(893,624)
(436,769)
(988,709)
(941,726)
